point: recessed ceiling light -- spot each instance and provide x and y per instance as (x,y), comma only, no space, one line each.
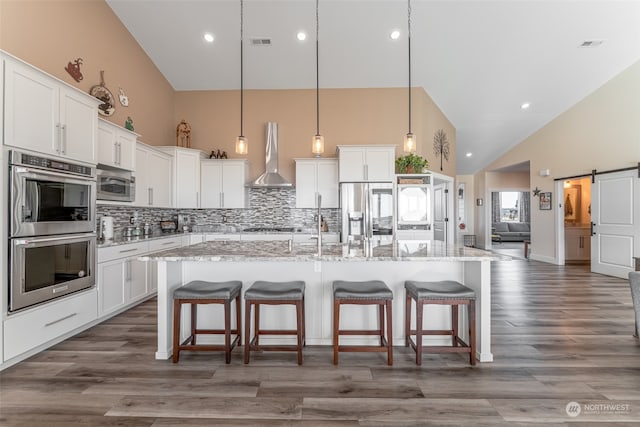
(395,35)
(591,43)
(208,37)
(525,106)
(469,154)
(301,36)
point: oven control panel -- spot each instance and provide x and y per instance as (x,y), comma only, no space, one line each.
(24,159)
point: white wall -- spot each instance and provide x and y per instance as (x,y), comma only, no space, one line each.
(601,132)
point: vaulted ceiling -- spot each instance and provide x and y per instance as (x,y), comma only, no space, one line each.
(478,60)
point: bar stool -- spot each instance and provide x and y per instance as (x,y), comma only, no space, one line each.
(274,293)
(371,292)
(446,292)
(201,292)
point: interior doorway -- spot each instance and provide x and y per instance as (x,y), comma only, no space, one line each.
(576,213)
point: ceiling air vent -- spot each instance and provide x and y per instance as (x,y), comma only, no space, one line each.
(591,43)
(260,41)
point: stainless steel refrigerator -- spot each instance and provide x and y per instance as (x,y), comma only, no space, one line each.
(367,211)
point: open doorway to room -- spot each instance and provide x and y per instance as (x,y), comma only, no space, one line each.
(510,222)
(576,207)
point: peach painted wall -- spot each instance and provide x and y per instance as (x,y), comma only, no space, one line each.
(347,116)
(49,34)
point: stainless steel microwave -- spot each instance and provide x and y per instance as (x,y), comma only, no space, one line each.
(115,185)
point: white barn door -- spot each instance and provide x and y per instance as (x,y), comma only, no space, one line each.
(615,214)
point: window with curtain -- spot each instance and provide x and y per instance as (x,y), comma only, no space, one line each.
(510,206)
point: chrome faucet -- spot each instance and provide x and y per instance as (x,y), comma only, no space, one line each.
(319,203)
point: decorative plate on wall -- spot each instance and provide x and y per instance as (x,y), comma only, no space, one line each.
(108,106)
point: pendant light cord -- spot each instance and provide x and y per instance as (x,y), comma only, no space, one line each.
(241,67)
(409,42)
(317,75)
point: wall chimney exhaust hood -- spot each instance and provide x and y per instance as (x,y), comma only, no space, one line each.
(271,178)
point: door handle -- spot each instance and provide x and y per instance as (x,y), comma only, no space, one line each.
(59,138)
(63,142)
(115,153)
(593,232)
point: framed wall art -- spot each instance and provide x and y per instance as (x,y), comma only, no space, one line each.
(545,201)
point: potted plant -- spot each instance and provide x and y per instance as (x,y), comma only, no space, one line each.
(411,163)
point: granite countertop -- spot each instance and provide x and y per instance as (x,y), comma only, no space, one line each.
(403,250)
(121,240)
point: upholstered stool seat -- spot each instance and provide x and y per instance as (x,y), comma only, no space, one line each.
(202,292)
(274,293)
(446,292)
(371,292)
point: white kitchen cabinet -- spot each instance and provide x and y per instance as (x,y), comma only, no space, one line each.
(327,237)
(185,176)
(163,244)
(577,244)
(317,176)
(122,279)
(45,115)
(366,163)
(153,177)
(221,237)
(223,183)
(31,328)
(116,146)
(266,236)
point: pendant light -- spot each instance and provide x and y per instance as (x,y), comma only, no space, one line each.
(317,143)
(409,138)
(242,143)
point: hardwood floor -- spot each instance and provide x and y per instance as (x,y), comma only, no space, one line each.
(560,335)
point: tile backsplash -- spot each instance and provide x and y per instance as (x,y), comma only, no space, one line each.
(268,207)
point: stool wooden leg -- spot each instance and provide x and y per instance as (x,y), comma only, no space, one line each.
(419,309)
(256,323)
(381,323)
(472,331)
(299,324)
(176,330)
(407,320)
(304,324)
(227,332)
(238,320)
(336,326)
(454,324)
(194,317)
(247,330)
(389,334)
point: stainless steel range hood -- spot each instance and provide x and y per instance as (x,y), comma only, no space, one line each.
(271,177)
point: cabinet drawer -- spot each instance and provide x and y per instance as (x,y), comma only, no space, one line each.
(27,330)
(122,251)
(164,244)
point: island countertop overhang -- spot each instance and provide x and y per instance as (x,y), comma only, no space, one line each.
(401,250)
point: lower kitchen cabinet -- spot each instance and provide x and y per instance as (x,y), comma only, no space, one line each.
(31,328)
(122,279)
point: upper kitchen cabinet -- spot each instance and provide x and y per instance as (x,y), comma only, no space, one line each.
(223,184)
(366,163)
(317,176)
(153,177)
(116,146)
(185,176)
(46,115)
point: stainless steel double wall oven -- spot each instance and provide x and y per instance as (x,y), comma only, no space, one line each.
(52,236)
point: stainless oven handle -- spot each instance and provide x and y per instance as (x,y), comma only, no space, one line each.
(52,239)
(64,177)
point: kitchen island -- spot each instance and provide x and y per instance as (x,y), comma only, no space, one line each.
(282,261)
